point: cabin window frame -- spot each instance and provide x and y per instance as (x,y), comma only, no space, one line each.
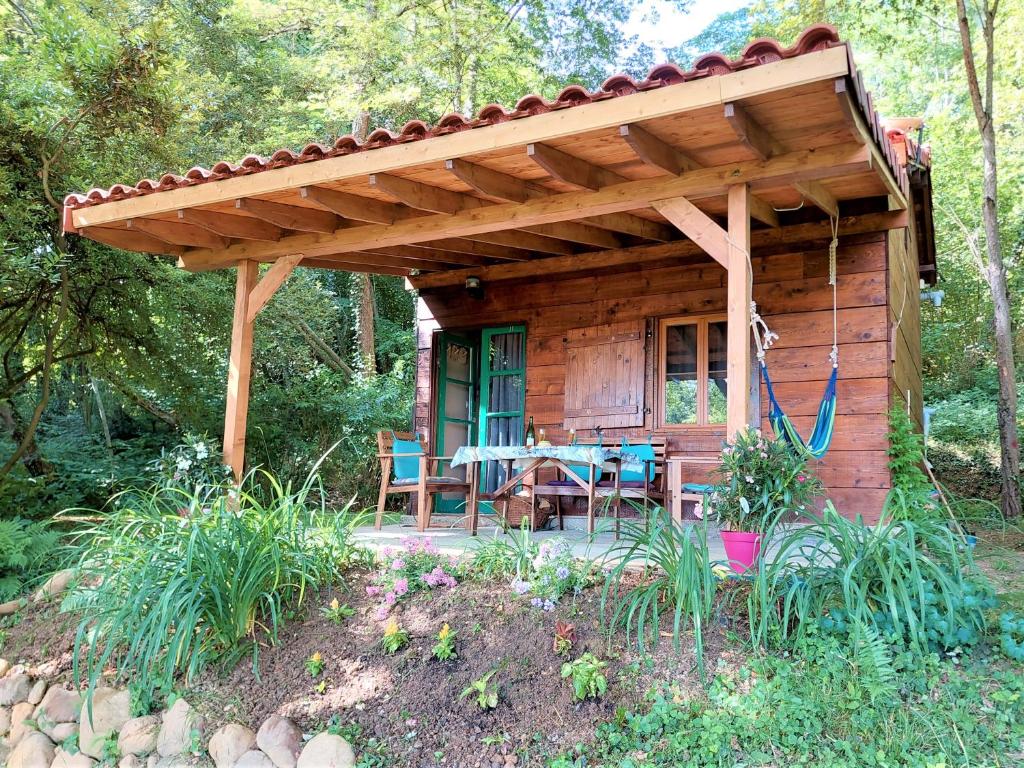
(702,321)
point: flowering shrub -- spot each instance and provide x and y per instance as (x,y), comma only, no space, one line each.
(554,572)
(395,637)
(760,479)
(196,463)
(416,566)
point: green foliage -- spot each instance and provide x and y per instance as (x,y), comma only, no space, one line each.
(27,550)
(760,479)
(586,676)
(395,637)
(444,648)
(485,692)
(1011,635)
(913,582)
(906,454)
(338,612)
(681,583)
(823,708)
(315,665)
(508,553)
(182,578)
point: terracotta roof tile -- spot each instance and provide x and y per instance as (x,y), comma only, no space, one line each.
(761,51)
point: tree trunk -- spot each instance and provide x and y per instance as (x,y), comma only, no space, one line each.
(362,287)
(995,271)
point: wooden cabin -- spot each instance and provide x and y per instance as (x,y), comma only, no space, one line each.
(589,261)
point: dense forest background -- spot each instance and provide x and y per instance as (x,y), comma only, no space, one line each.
(110,357)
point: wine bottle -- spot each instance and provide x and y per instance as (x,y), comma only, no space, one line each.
(531,436)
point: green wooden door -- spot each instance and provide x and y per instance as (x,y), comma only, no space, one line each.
(502,395)
(456,409)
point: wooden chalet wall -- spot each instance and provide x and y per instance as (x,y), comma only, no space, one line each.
(793,294)
(905,324)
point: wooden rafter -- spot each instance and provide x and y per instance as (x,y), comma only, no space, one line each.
(290,216)
(272,280)
(848,111)
(489,222)
(131,240)
(572,170)
(753,136)
(355,207)
(179,234)
(697,226)
(437,255)
(480,248)
(503,186)
(230,225)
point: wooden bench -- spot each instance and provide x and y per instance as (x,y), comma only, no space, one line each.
(610,484)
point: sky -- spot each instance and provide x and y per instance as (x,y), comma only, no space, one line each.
(660,24)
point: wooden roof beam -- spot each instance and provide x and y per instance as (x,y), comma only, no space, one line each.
(666,157)
(290,216)
(355,207)
(492,221)
(572,170)
(178,234)
(753,136)
(230,225)
(425,197)
(502,186)
(437,256)
(267,286)
(131,240)
(481,249)
(696,225)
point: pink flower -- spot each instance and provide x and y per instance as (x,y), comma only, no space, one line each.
(382,612)
(397,564)
(387,552)
(373,590)
(390,598)
(801,478)
(401,586)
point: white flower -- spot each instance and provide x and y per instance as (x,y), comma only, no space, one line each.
(749,478)
(201,451)
(184,463)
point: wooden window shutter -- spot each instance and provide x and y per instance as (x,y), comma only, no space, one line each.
(604,376)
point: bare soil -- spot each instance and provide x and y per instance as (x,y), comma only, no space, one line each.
(409,704)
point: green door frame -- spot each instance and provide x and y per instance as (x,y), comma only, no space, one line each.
(486,374)
(443,505)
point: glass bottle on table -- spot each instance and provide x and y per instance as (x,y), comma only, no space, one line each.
(543,437)
(531,436)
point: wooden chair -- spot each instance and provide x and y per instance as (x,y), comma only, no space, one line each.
(423,484)
(692,487)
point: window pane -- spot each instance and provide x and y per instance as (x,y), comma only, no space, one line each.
(506,351)
(717,362)
(458,361)
(681,374)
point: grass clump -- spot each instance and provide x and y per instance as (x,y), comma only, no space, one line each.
(179,579)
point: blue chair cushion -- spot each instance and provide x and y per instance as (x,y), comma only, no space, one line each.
(698,488)
(644,452)
(406,468)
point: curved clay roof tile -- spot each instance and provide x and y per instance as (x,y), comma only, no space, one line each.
(574,94)
(493,113)
(253,162)
(713,63)
(147,185)
(284,156)
(380,136)
(669,74)
(224,168)
(74,199)
(121,190)
(345,144)
(415,128)
(816,38)
(314,149)
(170,180)
(533,104)
(620,85)
(762,51)
(198,173)
(453,121)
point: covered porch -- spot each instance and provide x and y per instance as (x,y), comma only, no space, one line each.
(697,186)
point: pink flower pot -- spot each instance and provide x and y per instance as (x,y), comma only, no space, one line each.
(742,549)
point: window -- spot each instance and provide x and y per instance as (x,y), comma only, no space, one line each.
(691,371)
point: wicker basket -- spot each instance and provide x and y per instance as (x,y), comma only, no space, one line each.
(522,507)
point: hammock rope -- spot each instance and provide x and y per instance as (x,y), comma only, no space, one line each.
(817,445)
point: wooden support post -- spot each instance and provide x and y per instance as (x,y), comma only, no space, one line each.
(739,290)
(240,364)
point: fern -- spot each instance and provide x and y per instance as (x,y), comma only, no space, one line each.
(24,547)
(873,662)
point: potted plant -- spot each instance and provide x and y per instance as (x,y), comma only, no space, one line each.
(759,479)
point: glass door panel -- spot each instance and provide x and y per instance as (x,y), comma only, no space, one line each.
(503,395)
(456,410)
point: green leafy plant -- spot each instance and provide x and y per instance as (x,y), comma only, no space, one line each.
(509,553)
(395,637)
(176,579)
(565,638)
(680,582)
(315,665)
(444,648)
(915,582)
(586,674)
(337,612)
(26,548)
(759,479)
(485,691)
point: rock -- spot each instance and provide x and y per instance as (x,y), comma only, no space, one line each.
(229,743)
(21,722)
(5,720)
(10,607)
(111,709)
(59,705)
(181,727)
(130,761)
(281,741)
(62,759)
(34,751)
(61,732)
(172,761)
(139,735)
(5,667)
(325,750)
(254,759)
(14,689)
(54,585)
(35,695)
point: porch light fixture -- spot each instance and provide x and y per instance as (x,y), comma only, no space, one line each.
(474,288)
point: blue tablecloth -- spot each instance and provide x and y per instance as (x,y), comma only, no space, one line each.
(569,454)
